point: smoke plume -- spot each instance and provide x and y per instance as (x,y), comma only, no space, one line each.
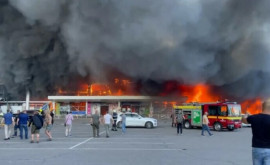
(50,43)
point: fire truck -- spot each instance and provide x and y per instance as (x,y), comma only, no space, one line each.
(221,115)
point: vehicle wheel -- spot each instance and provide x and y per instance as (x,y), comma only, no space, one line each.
(231,129)
(148,125)
(217,126)
(119,124)
(187,124)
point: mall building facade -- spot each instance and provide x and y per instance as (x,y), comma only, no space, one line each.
(158,107)
(87,105)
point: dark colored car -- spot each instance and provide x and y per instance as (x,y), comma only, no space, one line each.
(29,112)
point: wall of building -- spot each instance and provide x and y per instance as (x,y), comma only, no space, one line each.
(89,108)
(14,107)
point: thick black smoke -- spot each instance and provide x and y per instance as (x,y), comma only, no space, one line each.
(45,44)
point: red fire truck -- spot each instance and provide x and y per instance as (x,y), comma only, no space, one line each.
(220,114)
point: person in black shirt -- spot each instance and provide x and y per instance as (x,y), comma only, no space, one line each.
(16,126)
(35,127)
(52,115)
(114,116)
(260,124)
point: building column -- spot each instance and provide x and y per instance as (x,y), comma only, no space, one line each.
(86,108)
(53,106)
(53,109)
(27,100)
(119,106)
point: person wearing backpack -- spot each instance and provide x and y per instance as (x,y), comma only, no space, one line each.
(179,120)
(16,123)
(36,123)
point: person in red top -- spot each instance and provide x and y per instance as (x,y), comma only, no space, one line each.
(260,125)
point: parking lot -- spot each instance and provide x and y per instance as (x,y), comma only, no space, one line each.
(158,146)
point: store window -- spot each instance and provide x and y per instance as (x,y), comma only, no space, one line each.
(78,108)
(213,110)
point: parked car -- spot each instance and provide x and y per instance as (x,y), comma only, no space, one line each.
(135,120)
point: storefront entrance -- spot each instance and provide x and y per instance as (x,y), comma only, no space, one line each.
(104,110)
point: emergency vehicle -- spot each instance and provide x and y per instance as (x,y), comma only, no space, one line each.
(221,115)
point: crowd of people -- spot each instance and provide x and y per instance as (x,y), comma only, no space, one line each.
(260,127)
(21,121)
(44,119)
(107,120)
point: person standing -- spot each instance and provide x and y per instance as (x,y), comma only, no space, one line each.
(179,120)
(1,119)
(9,121)
(36,123)
(69,119)
(16,124)
(95,121)
(107,121)
(205,124)
(22,122)
(260,125)
(114,116)
(123,121)
(174,123)
(48,125)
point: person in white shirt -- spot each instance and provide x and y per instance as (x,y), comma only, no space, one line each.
(107,121)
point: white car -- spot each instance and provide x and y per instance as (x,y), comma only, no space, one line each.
(135,120)
(246,125)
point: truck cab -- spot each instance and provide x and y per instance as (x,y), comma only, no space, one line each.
(221,115)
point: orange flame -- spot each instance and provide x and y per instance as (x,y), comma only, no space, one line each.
(100,89)
(198,93)
(117,88)
(203,93)
(252,106)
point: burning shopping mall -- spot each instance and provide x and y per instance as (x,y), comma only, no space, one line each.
(168,49)
(123,95)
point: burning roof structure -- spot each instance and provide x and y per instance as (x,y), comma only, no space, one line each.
(162,47)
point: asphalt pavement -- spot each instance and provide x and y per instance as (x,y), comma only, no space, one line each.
(139,146)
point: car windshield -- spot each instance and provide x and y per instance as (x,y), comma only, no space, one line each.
(133,115)
(234,110)
(128,115)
